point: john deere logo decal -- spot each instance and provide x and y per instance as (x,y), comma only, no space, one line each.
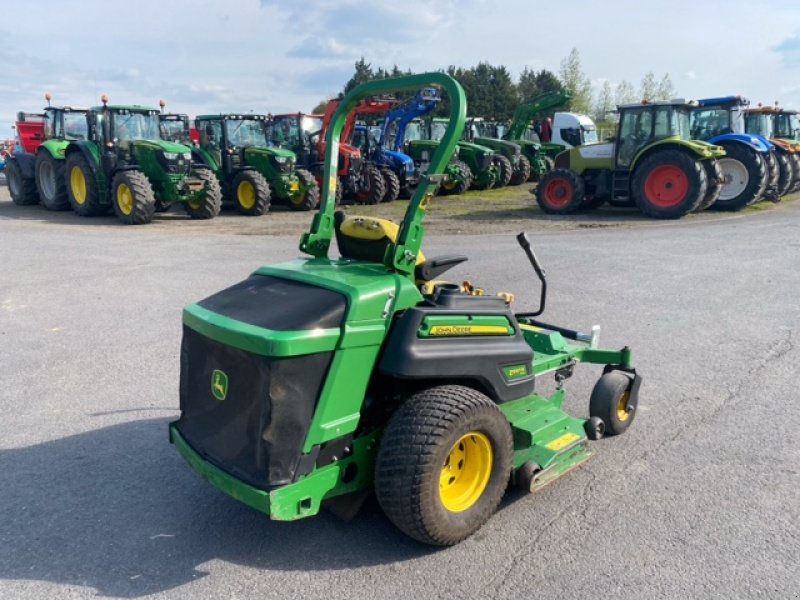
(219,385)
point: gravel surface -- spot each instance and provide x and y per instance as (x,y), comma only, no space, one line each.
(700,499)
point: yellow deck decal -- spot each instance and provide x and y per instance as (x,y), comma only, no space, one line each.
(469,330)
(562,442)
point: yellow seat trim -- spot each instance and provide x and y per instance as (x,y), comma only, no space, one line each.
(373,229)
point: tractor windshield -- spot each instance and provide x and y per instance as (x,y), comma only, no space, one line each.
(787,125)
(247,133)
(130,126)
(759,124)
(175,130)
(293,131)
(413,131)
(438,129)
(707,123)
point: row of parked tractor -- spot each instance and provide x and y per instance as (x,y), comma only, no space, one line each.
(666,158)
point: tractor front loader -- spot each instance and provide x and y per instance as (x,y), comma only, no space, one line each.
(377,376)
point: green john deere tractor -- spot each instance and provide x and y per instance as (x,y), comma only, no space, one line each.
(125,163)
(481,160)
(251,172)
(457,174)
(514,167)
(378,376)
(652,164)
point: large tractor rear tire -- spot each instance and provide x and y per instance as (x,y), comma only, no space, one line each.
(22,189)
(745,176)
(668,184)
(522,173)
(307,197)
(250,193)
(785,174)
(50,181)
(715,180)
(373,186)
(133,198)
(443,464)
(560,192)
(458,178)
(84,197)
(505,170)
(392,183)
(208,206)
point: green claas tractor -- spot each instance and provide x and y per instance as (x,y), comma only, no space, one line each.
(514,168)
(251,172)
(125,163)
(652,163)
(375,375)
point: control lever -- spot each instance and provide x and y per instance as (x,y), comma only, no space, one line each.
(525,243)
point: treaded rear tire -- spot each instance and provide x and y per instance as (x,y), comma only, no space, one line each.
(458,180)
(91,206)
(757,174)
(22,189)
(210,205)
(376,189)
(412,456)
(714,186)
(560,192)
(260,188)
(46,166)
(309,199)
(523,171)
(392,183)
(785,174)
(505,169)
(696,183)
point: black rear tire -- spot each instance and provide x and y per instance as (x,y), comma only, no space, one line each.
(392,184)
(458,178)
(668,184)
(50,181)
(610,402)
(84,197)
(794,159)
(505,170)
(714,178)
(745,177)
(373,186)
(250,192)
(208,205)
(415,478)
(560,192)
(132,198)
(522,173)
(785,174)
(22,189)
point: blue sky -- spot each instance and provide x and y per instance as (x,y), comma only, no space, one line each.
(274,56)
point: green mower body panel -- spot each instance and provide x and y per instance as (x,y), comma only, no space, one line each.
(289,378)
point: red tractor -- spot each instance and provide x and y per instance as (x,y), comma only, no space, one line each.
(305,135)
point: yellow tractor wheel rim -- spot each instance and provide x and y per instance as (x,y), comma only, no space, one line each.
(77,183)
(195,204)
(465,472)
(246,194)
(124,199)
(622,410)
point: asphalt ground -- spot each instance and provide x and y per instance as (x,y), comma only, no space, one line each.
(700,499)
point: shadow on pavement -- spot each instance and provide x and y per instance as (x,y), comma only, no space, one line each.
(118,510)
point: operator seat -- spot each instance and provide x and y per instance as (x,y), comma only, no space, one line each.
(367,238)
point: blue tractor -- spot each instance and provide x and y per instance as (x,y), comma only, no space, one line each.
(750,168)
(398,168)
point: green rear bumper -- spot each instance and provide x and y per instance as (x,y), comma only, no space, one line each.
(287,503)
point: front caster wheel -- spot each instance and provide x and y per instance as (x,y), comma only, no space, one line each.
(611,401)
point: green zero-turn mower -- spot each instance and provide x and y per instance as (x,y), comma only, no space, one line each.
(251,172)
(125,163)
(321,379)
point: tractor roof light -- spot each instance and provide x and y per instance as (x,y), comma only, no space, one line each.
(48,97)
(162,104)
(104,99)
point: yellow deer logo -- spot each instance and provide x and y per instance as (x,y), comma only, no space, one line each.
(219,385)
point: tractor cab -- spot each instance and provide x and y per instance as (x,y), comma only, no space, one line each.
(644,124)
(787,124)
(761,121)
(65,123)
(175,128)
(299,133)
(229,137)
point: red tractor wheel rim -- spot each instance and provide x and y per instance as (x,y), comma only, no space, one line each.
(558,192)
(666,186)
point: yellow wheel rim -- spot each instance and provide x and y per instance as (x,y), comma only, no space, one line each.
(246,194)
(77,183)
(124,199)
(195,204)
(465,472)
(622,412)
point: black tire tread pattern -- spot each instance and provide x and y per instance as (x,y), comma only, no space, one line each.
(409,462)
(144,200)
(693,169)
(714,186)
(506,171)
(23,194)
(212,201)
(759,177)
(377,186)
(392,183)
(310,189)
(60,200)
(92,206)
(463,179)
(522,173)
(785,174)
